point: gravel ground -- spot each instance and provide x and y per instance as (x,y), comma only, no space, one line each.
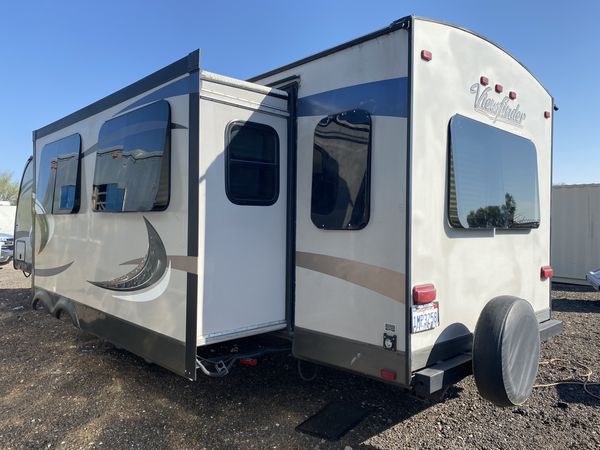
(62,388)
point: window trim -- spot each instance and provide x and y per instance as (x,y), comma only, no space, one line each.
(167,147)
(228,159)
(368,175)
(77,199)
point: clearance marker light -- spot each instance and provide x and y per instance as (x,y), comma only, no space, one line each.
(546,272)
(484,81)
(547,114)
(499,88)
(426,55)
(512,95)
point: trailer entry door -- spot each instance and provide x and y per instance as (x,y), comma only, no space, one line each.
(22,256)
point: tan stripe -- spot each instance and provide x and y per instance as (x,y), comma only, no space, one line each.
(379,279)
(185,263)
(178,262)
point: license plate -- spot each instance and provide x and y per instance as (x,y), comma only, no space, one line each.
(425,317)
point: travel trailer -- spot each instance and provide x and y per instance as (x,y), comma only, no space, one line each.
(381,207)
(575,248)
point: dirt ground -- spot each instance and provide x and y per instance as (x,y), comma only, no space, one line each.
(62,388)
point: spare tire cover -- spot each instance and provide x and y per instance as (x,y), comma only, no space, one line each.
(506,351)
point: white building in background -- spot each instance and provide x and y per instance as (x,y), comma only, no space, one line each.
(575,223)
(7,217)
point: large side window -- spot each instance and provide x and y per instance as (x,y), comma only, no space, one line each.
(341,171)
(493,180)
(133,161)
(58,186)
(252,164)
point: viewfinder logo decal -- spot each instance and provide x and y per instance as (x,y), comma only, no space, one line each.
(499,110)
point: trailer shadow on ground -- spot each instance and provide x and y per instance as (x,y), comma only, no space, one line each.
(576,306)
(79,385)
(272,396)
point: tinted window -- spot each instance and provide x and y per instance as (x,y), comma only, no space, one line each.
(252,164)
(341,171)
(133,161)
(58,179)
(493,177)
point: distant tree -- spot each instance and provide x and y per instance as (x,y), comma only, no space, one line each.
(494,216)
(9,190)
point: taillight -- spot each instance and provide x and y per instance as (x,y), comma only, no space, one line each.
(423,294)
(546,272)
(388,374)
(251,362)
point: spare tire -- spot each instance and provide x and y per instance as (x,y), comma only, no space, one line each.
(506,351)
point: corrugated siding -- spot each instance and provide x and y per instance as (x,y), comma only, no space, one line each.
(575,225)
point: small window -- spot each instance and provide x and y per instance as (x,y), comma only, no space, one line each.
(341,174)
(493,180)
(58,179)
(252,164)
(133,161)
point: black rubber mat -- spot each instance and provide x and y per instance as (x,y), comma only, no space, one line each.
(334,420)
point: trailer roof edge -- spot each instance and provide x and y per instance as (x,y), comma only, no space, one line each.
(441,22)
(395,25)
(187,64)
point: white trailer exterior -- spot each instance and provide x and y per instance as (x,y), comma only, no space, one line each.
(347,202)
(575,224)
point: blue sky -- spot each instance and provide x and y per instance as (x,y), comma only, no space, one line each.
(58,56)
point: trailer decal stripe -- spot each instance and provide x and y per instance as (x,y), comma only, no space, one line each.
(379,98)
(178,262)
(50,272)
(378,279)
(148,271)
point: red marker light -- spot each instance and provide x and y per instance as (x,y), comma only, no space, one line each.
(388,374)
(546,272)
(547,114)
(424,294)
(251,362)
(512,95)
(499,88)
(484,81)
(426,55)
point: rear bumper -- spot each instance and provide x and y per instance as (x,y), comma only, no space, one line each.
(436,377)
(550,328)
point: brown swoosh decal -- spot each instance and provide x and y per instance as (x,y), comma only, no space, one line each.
(178,262)
(379,279)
